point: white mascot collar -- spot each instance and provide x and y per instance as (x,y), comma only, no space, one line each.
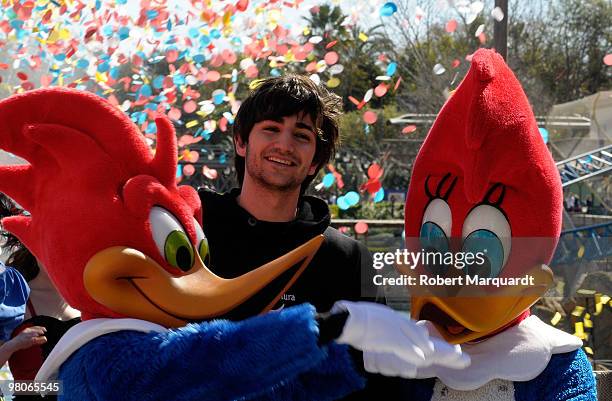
(519,353)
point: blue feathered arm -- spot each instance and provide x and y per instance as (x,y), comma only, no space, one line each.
(269,357)
(568,377)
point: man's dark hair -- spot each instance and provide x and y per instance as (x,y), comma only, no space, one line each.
(274,98)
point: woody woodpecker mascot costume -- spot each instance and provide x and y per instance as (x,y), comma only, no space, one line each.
(124,245)
(484,181)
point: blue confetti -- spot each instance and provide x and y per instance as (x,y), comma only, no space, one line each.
(352,198)
(388,9)
(124,33)
(178,80)
(107,30)
(194,33)
(115,73)
(151,129)
(146,91)
(380,195)
(342,203)
(103,67)
(544,133)
(82,63)
(158,82)
(204,40)
(328,180)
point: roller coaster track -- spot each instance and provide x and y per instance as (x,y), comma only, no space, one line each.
(585,166)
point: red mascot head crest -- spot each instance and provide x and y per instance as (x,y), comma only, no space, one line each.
(484,181)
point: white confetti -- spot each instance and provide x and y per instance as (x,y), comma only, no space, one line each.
(479,30)
(315,78)
(246,63)
(383,78)
(368,95)
(439,69)
(476,7)
(498,14)
(315,40)
(336,69)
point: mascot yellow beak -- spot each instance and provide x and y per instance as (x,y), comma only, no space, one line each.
(469,316)
(131,283)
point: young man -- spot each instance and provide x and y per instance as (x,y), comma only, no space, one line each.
(284,132)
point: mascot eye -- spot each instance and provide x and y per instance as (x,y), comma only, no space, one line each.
(433,237)
(491,251)
(435,231)
(202,243)
(439,212)
(171,240)
(486,231)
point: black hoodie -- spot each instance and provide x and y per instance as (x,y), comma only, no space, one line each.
(239,243)
(341,269)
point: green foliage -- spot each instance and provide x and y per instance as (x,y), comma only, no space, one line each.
(359,58)
(373,211)
(559,58)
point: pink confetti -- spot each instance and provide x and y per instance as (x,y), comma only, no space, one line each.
(192,157)
(213,76)
(361,227)
(185,140)
(375,171)
(46,80)
(190,106)
(451,26)
(174,114)
(242,5)
(229,56)
(331,58)
(172,56)
(210,173)
(380,90)
(331,44)
(370,117)
(251,71)
(408,129)
(608,59)
(311,67)
(188,170)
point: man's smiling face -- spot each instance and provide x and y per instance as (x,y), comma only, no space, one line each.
(279,154)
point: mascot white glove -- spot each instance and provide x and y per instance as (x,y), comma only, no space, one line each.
(392,343)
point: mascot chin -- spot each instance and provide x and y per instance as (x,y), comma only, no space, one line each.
(485,183)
